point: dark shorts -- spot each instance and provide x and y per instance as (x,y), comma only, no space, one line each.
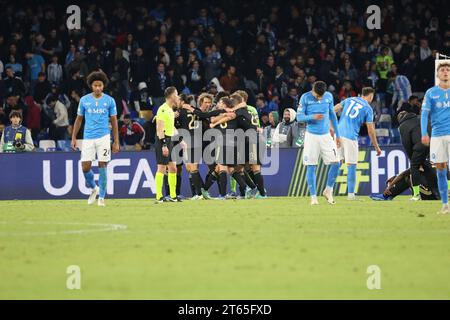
(208,153)
(255,150)
(227,155)
(160,159)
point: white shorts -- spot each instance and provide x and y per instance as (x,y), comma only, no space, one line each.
(348,151)
(439,149)
(319,145)
(100,147)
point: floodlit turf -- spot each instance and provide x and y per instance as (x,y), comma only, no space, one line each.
(279,248)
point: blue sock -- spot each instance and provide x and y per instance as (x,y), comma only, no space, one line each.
(89,177)
(351,178)
(102,182)
(311,179)
(443,185)
(333,172)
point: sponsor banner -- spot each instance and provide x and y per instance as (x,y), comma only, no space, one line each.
(58,175)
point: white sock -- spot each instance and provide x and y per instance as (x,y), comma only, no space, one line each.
(313,197)
(328,189)
(351,195)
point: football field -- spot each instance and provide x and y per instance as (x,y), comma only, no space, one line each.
(279,248)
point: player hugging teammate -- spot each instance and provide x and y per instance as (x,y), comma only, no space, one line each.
(234,150)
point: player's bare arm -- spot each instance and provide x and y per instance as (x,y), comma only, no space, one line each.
(76,128)
(115,130)
(161,135)
(225,117)
(373,137)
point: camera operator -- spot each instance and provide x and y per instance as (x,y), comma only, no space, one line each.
(16,138)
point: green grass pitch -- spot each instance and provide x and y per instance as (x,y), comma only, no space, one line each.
(279,248)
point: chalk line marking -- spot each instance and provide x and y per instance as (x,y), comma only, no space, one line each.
(103,227)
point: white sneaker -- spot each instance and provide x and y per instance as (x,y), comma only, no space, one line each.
(328,195)
(101,202)
(197,197)
(353,198)
(415,198)
(93,195)
(444,210)
(314,201)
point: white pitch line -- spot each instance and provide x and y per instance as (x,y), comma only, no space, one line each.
(104,227)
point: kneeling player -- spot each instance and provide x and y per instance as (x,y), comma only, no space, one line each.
(98,109)
(396,185)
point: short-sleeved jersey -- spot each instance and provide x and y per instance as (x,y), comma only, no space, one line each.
(310,105)
(255,117)
(227,130)
(355,112)
(165,113)
(437,102)
(245,120)
(96,113)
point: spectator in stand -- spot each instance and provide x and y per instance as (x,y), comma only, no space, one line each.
(75,97)
(346,91)
(230,80)
(12,84)
(54,71)
(194,78)
(402,91)
(269,130)
(16,66)
(290,101)
(283,135)
(36,64)
(33,120)
(42,88)
(58,130)
(13,103)
(158,83)
(131,134)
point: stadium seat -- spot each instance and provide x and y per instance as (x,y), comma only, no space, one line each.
(79,144)
(384,111)
(395,136)
(364,141)
(383,141)
(385,121)
(141,121)
(382,132)
(146,114)
(47,144)
(134,114)
(64,145)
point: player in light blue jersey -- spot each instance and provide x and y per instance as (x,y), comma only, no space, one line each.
(355,111)
(316,108)
(98,109)
(436,104)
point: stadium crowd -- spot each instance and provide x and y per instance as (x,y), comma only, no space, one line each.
(273,51)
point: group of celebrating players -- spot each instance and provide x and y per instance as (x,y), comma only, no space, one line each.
(234,147)
(223,132)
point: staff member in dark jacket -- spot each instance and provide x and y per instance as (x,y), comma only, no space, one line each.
(409,127)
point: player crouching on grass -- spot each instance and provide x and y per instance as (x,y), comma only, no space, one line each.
(165,130)
(98,109)
(316,108)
